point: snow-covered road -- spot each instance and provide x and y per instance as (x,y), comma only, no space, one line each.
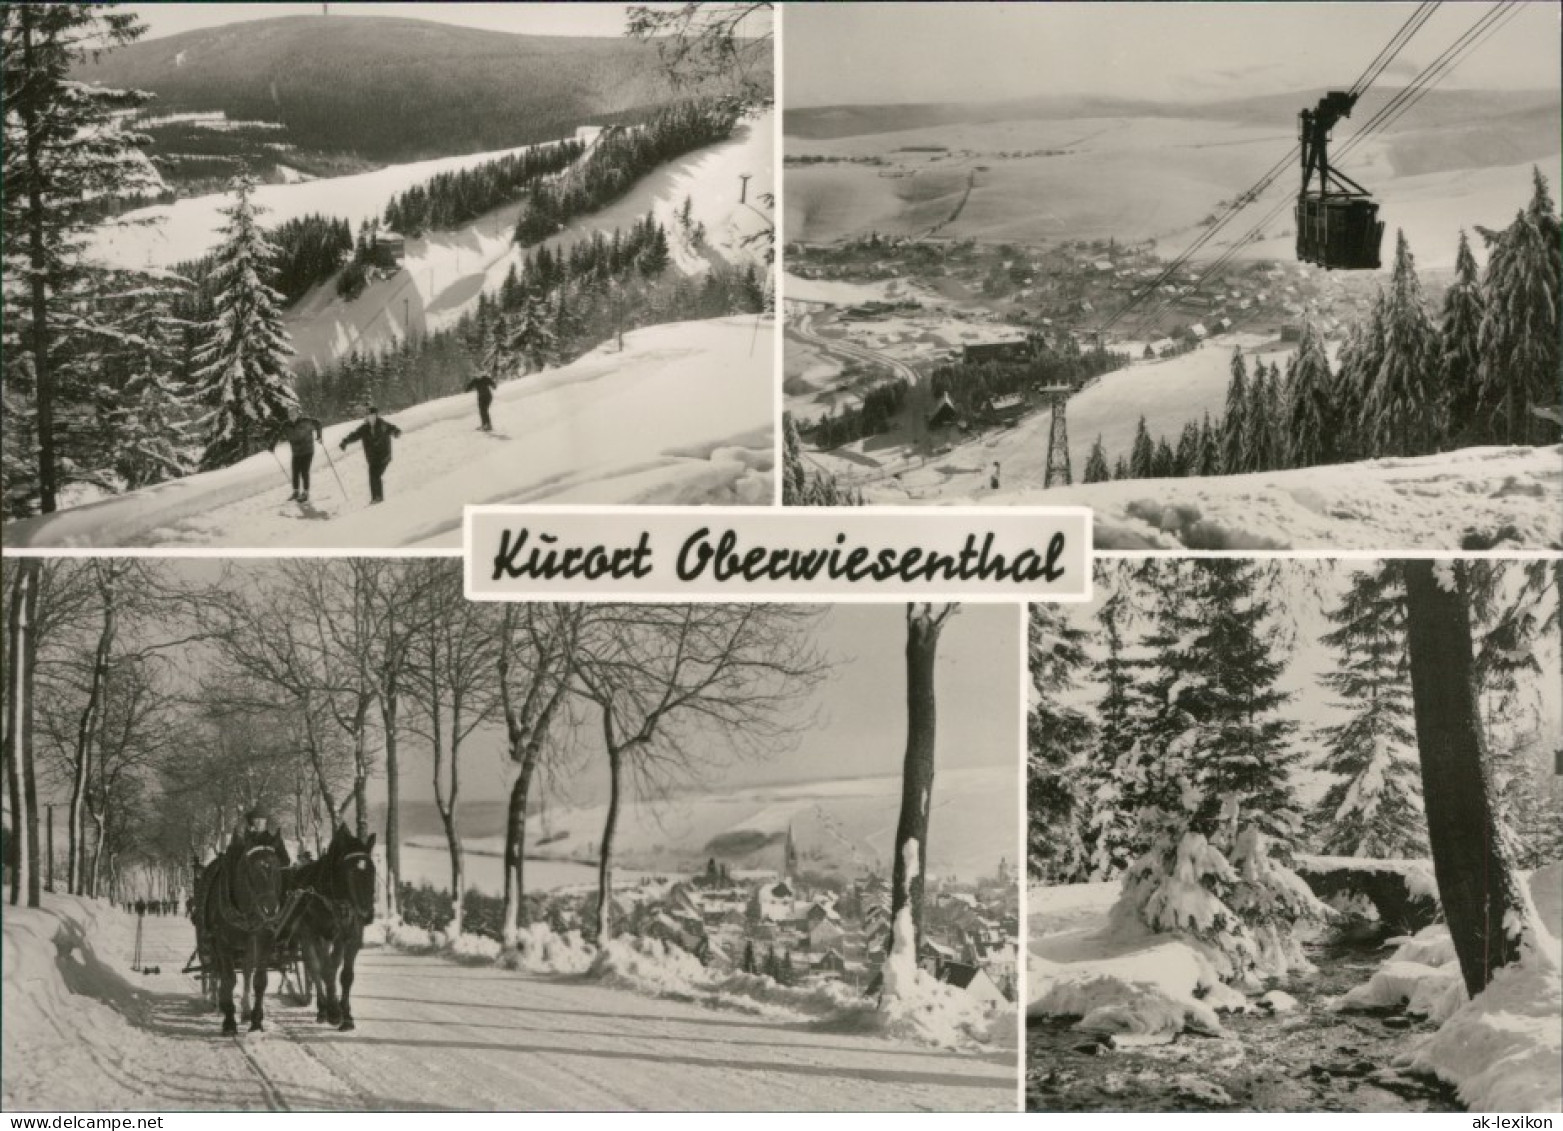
(435,1035)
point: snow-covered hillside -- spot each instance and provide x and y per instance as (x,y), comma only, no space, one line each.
(444,272)
(683,415)
(846,824)
(162,235)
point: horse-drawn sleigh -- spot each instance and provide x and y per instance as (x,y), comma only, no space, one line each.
(255,914)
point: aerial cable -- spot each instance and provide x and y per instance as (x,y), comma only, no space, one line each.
(1478,33)
(1374,69)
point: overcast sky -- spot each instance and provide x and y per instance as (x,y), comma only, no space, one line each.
(872,53)
(528,19)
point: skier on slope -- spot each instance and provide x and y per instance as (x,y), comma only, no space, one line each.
(484,384)
(300,432)
(376,436)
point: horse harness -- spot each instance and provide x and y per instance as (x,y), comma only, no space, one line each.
(339,904)
(229,912)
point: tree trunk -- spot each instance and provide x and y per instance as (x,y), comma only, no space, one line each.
(1476,879)
(107,585)
(24,822)
(911,834)
(37,227)
(515,854)
(333,813)
(605,859)
(15,852)
(393,806)
(360,772)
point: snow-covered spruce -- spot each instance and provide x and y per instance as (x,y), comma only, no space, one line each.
(242,368)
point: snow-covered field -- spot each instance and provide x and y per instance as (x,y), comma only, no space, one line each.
(683,415)
(82,1032)
(849,822)
(834,292)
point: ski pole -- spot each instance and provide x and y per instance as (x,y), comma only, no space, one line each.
(273,451)
(332,464)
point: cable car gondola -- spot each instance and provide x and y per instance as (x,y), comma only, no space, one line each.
(1337,223)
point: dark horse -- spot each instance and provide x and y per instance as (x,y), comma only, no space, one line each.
(238,902)
(336,903)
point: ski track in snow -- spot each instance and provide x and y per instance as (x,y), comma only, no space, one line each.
(682,416)
(436,1035)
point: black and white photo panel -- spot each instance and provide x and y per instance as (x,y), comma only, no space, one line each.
(1236,276)
(326,274)
(1296,838)
(318,833)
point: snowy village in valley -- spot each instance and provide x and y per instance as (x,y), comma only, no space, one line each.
(1296,839)
(594,856)
(1069,270)
(295,305)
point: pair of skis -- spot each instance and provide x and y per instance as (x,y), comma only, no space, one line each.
(309,510)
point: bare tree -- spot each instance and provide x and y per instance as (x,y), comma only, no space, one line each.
(662,676)
(452,658)
(535,664)
(711,46)
(394,592)
(1477,882)
(923,625)
(271,650)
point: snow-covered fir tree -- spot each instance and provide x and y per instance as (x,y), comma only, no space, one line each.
(1059,741)
(68,148)
(1096,469)
(1312,425)
(1459,351)
(1401,402)
(1223,815)
(1113,772)
(1359,360)
(532,335)
(1373,805)
(1209,448)
(1142,456)
(1234,421)
(1259,415)
(242,369)
(154,423)
(1519,336)
(1186,457)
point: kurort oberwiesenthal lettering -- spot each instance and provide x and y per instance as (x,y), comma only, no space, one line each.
(754,553)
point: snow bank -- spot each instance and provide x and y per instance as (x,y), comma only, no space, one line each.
(1503,1050)
(539,950)
(68,1017)
(1144,996)
(1423,990)
(1473,498)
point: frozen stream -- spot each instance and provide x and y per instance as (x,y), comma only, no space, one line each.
(1312,1059)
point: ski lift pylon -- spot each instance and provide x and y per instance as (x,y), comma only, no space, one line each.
(1337,222)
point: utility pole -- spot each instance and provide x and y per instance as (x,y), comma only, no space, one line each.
(743,187)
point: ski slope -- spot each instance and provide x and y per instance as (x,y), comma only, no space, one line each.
(444,272)
(82,1032)
(682,416)
(162,235)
